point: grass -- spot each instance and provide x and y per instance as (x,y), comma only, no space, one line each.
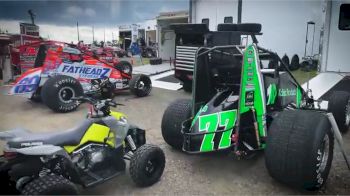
(302,76)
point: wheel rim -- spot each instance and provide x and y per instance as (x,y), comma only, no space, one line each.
(324,154)
(347,114)
(143,86)
(65,94)
(151,167)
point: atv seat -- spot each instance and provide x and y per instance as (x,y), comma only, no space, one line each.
(23,138)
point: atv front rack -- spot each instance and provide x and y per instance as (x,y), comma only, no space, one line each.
(193,141)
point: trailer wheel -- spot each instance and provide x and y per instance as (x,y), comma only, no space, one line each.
(58,91)
(177,112)
(187,86)
(50,185)
(339,106)
(299,149)
(140,85)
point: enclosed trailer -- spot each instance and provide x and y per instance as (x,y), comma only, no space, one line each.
(284,31)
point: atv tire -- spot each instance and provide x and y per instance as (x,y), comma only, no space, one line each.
(50,185)
(140,85)
(339,106)
(187,86)
(58,91)
(147,165)
(299,149)
(124,66)
(177,112)
(7,187)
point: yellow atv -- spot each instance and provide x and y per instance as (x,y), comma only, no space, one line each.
(89,154)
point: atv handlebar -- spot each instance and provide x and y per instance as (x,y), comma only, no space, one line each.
(98,104)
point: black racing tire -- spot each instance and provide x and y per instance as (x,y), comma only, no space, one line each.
(124,66)
(147,165)
(50,185)
(36,97)
(140,85)
(173,117)
(294,63)
(339,106)
(187,86)
(299,149)
(285,60)
(7,187)
(273,63)
(155,61)
(58,91)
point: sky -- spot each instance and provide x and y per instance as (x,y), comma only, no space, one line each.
(57,18)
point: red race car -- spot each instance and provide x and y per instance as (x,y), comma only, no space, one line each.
(62,71)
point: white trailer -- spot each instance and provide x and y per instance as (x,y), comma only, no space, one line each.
(284,30)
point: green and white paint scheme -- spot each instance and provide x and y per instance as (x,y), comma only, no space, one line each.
(252,97)
(210,123)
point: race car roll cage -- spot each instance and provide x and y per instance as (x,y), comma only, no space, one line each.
(309,102)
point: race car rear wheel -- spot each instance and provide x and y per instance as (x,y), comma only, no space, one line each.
(124,66)
(140,85)
(339,106)
(58,91)
(176,113)
(299,149)
(50,185)
(147,165)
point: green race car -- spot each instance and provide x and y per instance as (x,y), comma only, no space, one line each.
(239,105)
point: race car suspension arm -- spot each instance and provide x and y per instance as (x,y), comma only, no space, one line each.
(338,137)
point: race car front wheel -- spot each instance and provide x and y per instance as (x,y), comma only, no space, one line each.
(140,85)
(58,91)
(176,113)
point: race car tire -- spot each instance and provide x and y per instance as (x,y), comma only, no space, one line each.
(140,85)
(299,149)
(147,165)
(58,91)
(124,66)
(294,63)
(176,113)
(285,60)
(155,61)
(187,86)
(50,185)
(339,106)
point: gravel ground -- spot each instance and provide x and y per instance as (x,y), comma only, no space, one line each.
(184,174)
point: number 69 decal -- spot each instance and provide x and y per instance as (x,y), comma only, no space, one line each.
(211,122)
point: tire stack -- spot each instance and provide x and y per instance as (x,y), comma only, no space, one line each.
(294,63)
(155,61)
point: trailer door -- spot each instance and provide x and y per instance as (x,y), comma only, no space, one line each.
(339,37)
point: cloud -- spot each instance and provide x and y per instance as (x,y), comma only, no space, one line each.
(76,11)
(64,33)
